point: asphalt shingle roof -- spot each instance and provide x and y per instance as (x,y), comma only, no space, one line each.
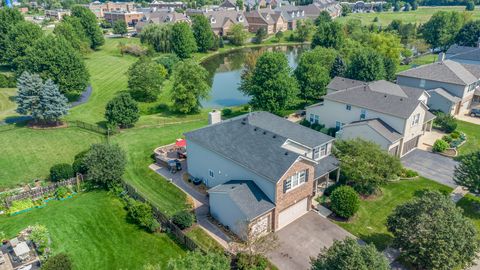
(247,196)
(381,96)
(341,83)
(447,71)
(379,126)
(255,141)
(442,92)
(464,53)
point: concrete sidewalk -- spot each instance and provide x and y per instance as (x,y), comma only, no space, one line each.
(200,200)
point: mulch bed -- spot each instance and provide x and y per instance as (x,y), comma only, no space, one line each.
(34,125)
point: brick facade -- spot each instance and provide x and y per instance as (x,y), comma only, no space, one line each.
(286,199)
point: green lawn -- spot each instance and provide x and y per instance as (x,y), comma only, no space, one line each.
(471,207)
(419,16)
(422,60)
(28,154)
(107,68)
(139,144)
(7,104)
(473,137)
(200,237)
(92,228)
(369,224)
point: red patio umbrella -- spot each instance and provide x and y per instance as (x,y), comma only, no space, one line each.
(181,143)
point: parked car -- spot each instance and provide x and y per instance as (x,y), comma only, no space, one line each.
(475,112)
(174,165)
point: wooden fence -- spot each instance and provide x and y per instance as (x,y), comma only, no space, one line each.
(39,192)
(164,220)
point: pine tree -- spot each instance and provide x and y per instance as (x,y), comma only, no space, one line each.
(338,68)
(28,99)
(53,104)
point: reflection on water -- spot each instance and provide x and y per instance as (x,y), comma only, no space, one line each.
(225,71)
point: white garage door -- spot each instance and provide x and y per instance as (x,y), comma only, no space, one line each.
(290,214)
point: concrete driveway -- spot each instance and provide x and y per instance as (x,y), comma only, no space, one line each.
(430,165)
(304,238)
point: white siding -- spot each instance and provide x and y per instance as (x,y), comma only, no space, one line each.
(366,133)
(332,111)
(412,131)
(200,161)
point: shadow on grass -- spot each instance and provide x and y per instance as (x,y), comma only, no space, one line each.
(421,192)
(380,240)
(470,206)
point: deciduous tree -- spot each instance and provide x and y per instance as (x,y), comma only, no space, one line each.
(467,172)
(432,233)
(323,17)
(17,41)
(60,261)
(304,30)
(122,111)
(105,164)
(271,84)
(158,36)
(469,34)
(350,255)
(145,78)
(182,40)
(203,33)
(189,86)
(339,67)
(441,29)
(71,29)
(90,25)
(237,34)
(366,65)
(328,35)
(120,27)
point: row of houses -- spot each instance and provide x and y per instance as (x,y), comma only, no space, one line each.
(395,116)
(263,172)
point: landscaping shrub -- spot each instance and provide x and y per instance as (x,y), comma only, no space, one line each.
(62,192)
(142,214)
(183,219)
(61,261)
(409,173)
(7,81)
(168,61)
(61,171)
(246,261)
(41,237)
(328,191)
(440,146)
(305,123)
(445,122)
(447,138)
(227,112)
(132,49)
(78,165)
(455,134)
(345,201)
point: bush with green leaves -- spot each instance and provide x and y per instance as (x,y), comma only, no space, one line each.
(168,61)
(78,164)
(7,81)
(105,164)
(60,261)
(142,214)
(467,172)
(345,201)
(122,111)
(245,261)
(409,173)
(445,122)
(41,237)
(227,112)
(431,232)
(61,171)
(199,261)
(440,146)
(349,255)
(183,219)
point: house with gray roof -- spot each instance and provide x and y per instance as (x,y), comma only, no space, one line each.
(464,54)
(161,16)
(459,83)
(262,170)
(393,116)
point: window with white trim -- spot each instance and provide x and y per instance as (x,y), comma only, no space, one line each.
(348,107)
(311,118)
(295,180)
(316,153)
(416,119)
(422,83)
(317,119)
(323,150)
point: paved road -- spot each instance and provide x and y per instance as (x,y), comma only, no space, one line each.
(430,165)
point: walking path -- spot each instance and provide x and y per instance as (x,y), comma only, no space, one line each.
(201,203)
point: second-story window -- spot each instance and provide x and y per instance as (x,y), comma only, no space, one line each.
(295,180)
(416,119)
(311,118)
(363,114)
(323,150)
(348,107)
(316,153)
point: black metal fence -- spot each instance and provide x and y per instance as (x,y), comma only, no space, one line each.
(39,192)
(91,127)
(164,220)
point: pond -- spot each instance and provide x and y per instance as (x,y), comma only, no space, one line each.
(225,71)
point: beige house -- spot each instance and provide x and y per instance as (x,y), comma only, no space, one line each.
(267,19)
(262,170)
(453,85)
(393,116)
(99,8)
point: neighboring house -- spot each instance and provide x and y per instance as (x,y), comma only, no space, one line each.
(161,17)
(57,14)
(464,54)
(261,170)
(291,14)
(267,19)
(99,8)
(222,20)
(362,6)
(313,10)
(162,4)
(393,116)
(131,18)
(229,5)
(459,81)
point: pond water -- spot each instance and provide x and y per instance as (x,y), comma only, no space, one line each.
(225,71)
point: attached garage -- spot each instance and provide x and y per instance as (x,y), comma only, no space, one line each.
(410,145)
(293,212)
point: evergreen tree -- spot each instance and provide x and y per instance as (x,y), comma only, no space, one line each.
(90,26)
(260,35)
(182,40)
(203,33)
(390,69)
(53,104)
(28,97)
(339,67)
(470,5)
(122,111)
